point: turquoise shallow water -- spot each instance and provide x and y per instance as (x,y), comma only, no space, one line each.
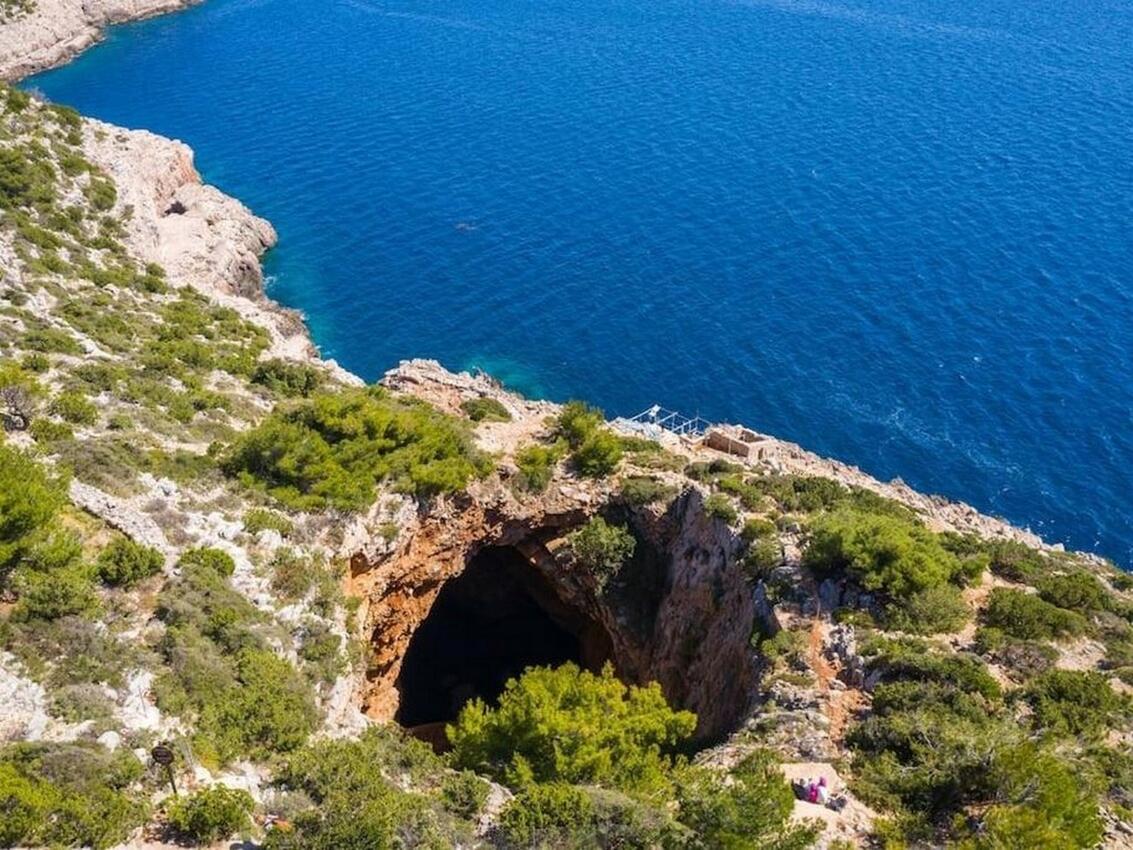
(899,233)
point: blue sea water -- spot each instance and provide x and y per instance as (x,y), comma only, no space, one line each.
(898,232)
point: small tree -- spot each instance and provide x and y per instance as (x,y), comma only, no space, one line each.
(570,725)
(210,814)
(602,548)
(124,563)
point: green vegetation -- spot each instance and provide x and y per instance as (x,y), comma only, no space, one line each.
(536,466)
(485,410)
(355,797)
(207,558)
(536,732)
(748,808)
(897,556)
(1024,615)
(722,508)
(74,408)
(595,450)
(646,490)
(67,795)
(245,699)
(124,563)
(333,449)
(210,814)
(288,379)
(261,519)
(1074,702)
(941,740)
(29,501)
(602,548)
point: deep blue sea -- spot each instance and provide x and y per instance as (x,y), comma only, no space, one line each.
(898,232)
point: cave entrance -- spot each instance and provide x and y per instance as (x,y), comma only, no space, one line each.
(488,624)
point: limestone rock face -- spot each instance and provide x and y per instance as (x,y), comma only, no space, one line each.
(679,612)
(57,30)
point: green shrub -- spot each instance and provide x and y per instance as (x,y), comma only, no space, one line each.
(261,519)
(1041,801)
(536,466)
(29,501)
(216,560)
(602,548)
(333,449)
(74,408)
(67,795)
(645,490)
(749,806)
(552,815)
(578,421)
(1076,591)
(288,379)
(49,595)
(595,450)
(891,554)
(1016,561)
(721,507)
(45,431)
(930,611)
(464,793)
(123,563)
(210,814)
(569,725)
(1024,615)
(599,455)
(293,574)
(355,805)
(485,410)
(247,701)
(1073,702)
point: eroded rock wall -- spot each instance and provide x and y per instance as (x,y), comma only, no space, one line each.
(679,613)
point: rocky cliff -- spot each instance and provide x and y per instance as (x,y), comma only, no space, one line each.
(53,32)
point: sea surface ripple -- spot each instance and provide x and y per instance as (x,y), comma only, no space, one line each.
(898,233)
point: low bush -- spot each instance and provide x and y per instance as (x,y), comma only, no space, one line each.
(354,803)
(722,508)
(1024,615)
(215,560)
(210,814)
(930,611)
(261,519)
(645,490)
(67,795)
(288,379)
(74,408)
(569,725)
(51,594)
(334,448)
(485,410)
(749,806)
(892,554)
(536,465)
(602,548)
(551,815)
(123,562)
(464,793)
(1073,702)
(1075,591)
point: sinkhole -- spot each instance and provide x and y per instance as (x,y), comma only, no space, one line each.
(488,624)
